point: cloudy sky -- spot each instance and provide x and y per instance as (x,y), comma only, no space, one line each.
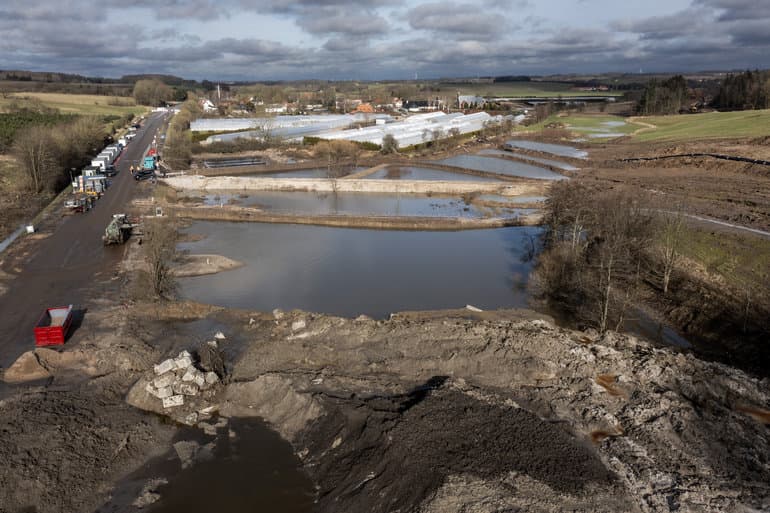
(375,39)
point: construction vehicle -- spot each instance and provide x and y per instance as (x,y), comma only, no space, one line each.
(149,163)
(118,230)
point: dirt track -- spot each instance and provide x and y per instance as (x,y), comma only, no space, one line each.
(70,265)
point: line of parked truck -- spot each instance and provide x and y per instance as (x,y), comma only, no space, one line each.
(94,179)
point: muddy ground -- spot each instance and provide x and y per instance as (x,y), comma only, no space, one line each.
(735,192)
(477,412)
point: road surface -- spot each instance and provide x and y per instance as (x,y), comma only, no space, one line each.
(64,267)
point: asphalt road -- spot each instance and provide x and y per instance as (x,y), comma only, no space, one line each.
(72,264)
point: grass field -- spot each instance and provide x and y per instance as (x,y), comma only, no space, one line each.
(521,89)
(713,125)
(586,125)
(739,259)
(79,103)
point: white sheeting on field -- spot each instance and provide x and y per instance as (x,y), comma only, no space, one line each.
(279,122)
(413,130)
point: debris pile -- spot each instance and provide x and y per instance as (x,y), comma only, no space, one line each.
(178,378)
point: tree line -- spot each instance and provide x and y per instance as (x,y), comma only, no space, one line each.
(749,90)
(606,252)
(46,154)
(669,96)
(745,91)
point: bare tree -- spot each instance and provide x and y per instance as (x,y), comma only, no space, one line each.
(670,234)
(389,144)
(35,150)
(160,236)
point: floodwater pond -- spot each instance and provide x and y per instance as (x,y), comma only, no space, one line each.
(304,173)
(349,272)
(348,203)
(502,166)
(554,149)
(424,173)
(548,162)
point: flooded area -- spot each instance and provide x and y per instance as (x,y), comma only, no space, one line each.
(314,203)
(502,166)
(423,173)
(352,271)
(554,149)
(548,162)
(304,173)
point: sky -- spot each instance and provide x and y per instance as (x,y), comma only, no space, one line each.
(381,39)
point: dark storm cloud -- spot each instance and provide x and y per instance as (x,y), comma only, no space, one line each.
(373,38)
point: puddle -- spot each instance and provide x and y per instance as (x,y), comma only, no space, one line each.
(605,135)
(353,271)
(553,149)
(643,325)
(547,162)
(422,173)
(510,199)
(245,467)
(501,166)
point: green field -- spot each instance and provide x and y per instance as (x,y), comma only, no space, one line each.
(713,125)
(585,125)
(739,259)
(87,104)
(521,89)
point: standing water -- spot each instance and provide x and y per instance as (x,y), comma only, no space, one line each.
(350,271)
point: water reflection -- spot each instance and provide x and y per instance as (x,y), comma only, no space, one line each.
(548,162)
(350,272)
(502,166)
(314,203)
(553,149)
(422,173)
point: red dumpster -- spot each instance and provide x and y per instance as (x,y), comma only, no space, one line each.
(51,329)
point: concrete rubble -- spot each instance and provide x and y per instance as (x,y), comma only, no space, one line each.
(178,379)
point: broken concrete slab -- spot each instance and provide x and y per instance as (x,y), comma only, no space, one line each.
(164,367)
(173,401)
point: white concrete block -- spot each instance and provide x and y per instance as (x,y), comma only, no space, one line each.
(211,378)
(298,325)
(190,374)
(174,400)
(164,366)
(164,381)
(164,393)
(200,380)
(183,362)
(188,389)
(219,335)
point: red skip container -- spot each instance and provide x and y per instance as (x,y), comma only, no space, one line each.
(52,328)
